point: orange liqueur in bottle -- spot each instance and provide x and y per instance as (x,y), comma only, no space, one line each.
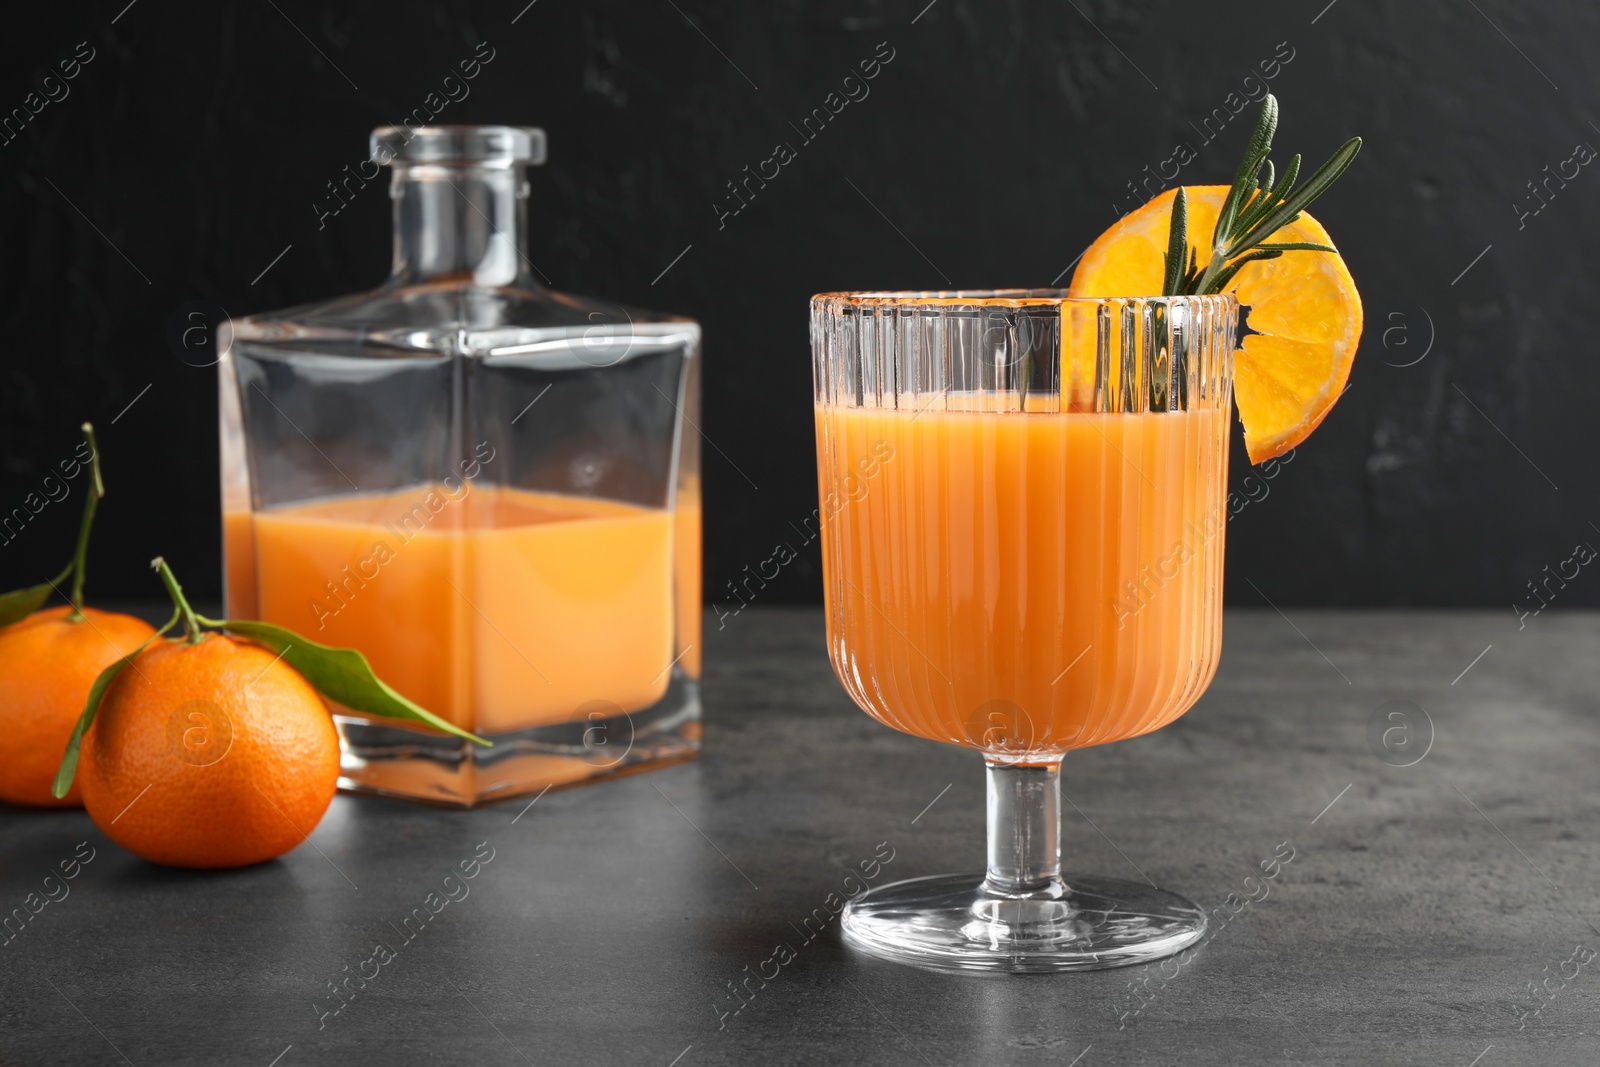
(482,485)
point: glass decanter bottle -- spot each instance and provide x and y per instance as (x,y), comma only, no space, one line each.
(483,485)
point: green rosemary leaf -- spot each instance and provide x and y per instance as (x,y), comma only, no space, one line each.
(1255,211)
(1249,210)
(1260,208)
(1297,246)
(1177,242)
(1301,198)
(1255,154)
(1243,186)
(1266,127)
(1221,281)
(1291,175)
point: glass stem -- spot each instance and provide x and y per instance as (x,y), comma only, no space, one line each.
(1024,832)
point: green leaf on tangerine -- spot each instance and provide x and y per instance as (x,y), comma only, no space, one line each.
(69,758)
(20,603)
(343,675)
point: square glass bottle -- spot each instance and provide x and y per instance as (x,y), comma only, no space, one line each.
(485,486)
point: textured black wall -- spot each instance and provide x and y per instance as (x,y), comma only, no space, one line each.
(1001,137)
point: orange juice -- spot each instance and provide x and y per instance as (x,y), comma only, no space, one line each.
(1023,582)
(498,609)
(687,523)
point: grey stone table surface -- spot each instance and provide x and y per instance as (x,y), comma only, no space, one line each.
(1439,913)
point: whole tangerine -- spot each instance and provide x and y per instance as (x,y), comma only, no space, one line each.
(47,664)
(209,753)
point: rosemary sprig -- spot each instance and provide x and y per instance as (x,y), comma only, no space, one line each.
(1256,207)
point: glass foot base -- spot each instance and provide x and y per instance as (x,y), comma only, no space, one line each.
(388,759)
(947,923)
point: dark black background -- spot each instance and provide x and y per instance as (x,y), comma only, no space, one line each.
(998,143)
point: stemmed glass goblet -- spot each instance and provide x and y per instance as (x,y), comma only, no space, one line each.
(1022,525)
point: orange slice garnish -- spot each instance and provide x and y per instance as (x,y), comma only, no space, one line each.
(1303,307)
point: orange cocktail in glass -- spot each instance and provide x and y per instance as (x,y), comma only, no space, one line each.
(1049,577)
(1022,542)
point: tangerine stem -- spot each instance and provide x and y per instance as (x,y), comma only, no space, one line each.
(97,489)
(191,622)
